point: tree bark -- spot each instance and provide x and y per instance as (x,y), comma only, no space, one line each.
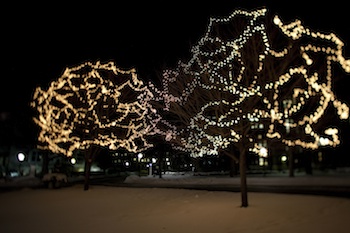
(291,162)
(45,168)
(233,162)
(89,157)
(160,164)
(243,176)
(87,169)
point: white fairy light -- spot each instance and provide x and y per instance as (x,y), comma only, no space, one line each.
(89,105)
(222,61)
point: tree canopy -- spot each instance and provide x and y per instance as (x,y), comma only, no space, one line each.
(94,104)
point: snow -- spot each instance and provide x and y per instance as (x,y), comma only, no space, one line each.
(124,209)
(190,179)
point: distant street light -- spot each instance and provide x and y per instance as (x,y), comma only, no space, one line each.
(150,169)
(139,156)
(21,156)
(73,161)
(284,158)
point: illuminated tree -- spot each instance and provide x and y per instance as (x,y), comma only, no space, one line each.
(94,106)
(251,76)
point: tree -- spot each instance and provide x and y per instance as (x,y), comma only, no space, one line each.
(252,75)
(94,106)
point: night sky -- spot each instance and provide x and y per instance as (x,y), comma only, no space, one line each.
(40,41)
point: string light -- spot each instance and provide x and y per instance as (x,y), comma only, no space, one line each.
(94,104)
(219,89)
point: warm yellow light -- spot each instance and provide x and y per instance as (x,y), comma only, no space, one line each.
(91,104)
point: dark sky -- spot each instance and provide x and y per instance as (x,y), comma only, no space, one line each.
(39,41)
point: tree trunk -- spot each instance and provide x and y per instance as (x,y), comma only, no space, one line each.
(89,157)
(90,154)
(308,164)
(45,168)
(160,164)
(233,163)
(243,176)
(291,162)
(87,168)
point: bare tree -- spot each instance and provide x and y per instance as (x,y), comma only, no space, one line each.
(251,73)
(94,106)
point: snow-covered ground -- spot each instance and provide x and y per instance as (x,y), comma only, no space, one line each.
(177,179)
(127,210)
(189,179)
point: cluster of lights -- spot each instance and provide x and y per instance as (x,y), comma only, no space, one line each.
(331,48)
(216,78)
(226,86)
(94,104)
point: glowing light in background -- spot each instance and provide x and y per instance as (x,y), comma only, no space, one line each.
(21,156)
(73,161)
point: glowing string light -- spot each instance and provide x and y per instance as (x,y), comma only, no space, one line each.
(235,95)
(94,104)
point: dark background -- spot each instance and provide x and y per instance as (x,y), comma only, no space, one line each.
(38,40)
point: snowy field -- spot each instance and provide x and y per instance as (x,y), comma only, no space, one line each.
(189,179)
(128,210)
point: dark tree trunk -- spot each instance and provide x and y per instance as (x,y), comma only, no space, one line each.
(90,154)
(308,164)
(160,164)
(291,163)
(233,163)
(45,168)
(243,176)
(87,169)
